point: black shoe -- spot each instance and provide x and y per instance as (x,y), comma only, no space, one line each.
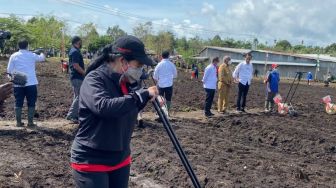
(19,124)
(158,119)
(243,110)
(208,115)
(31,125)
(141,124)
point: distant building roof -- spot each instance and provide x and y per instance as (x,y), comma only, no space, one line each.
(199,58)
(276,62)
(237,50)
(323,57)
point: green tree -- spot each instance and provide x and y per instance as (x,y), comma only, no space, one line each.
(98,42)
(229,43)
(46,32)
(88,33)
(18,30)
(115,32)
(164,41)
(182,44)
(330,49)
(283,45)
(143,31)
(216,41)
(196,44)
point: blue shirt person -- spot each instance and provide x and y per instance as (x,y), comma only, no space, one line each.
(272,80)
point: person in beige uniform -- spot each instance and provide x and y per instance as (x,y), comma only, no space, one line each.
(224,84)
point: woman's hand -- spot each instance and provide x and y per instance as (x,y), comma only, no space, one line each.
(153,92)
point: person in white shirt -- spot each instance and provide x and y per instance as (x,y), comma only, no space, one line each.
(210,84)
(24,61)
(165,73)
(243,74)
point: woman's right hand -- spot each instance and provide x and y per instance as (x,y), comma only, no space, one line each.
(153,92)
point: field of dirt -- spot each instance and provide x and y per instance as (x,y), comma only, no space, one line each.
(235,150)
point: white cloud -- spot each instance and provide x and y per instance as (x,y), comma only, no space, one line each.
(185,28)
(186,21)
(107,6)
(310,20)
(208,8)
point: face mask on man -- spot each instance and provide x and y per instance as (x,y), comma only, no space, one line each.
(229,62)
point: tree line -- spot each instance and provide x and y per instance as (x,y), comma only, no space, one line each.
(49,32)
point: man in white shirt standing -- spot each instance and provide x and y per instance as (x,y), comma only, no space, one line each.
(165,73)
(243,74)
(24,61)
(210,83)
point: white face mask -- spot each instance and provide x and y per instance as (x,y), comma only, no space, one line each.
(133,74)
(229,62)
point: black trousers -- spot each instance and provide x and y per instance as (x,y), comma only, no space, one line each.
(28,92)
(210,94)
(242,93)
(166,92)
(115,179)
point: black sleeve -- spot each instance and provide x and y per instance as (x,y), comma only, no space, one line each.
(99,101)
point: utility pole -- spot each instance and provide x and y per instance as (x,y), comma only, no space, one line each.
(265,68)
(62,44)
(317,65)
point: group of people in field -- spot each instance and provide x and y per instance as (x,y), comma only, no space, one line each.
(220,78)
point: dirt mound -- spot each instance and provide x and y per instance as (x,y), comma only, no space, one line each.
(35,158)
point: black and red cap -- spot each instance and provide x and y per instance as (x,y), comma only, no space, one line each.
(133,47)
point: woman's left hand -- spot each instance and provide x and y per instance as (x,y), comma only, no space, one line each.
(153,92)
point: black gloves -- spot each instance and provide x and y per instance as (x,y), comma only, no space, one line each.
(141,97)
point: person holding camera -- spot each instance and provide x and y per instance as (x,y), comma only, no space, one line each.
(23,63)
(109,102)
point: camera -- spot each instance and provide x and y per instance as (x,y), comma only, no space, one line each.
(5,35)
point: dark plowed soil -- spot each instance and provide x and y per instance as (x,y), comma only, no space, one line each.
(248,150)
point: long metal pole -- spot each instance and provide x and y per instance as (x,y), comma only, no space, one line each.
(290,89)
(175,141)
(176,144)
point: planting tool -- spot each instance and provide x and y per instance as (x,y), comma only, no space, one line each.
(291,93)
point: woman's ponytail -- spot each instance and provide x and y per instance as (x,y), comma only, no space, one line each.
(102,56)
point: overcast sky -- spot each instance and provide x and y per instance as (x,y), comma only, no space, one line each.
(312,21)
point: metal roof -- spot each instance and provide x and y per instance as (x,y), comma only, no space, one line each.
(305,56)
(237,50)
(321,57)
(279,63)
(200,58)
